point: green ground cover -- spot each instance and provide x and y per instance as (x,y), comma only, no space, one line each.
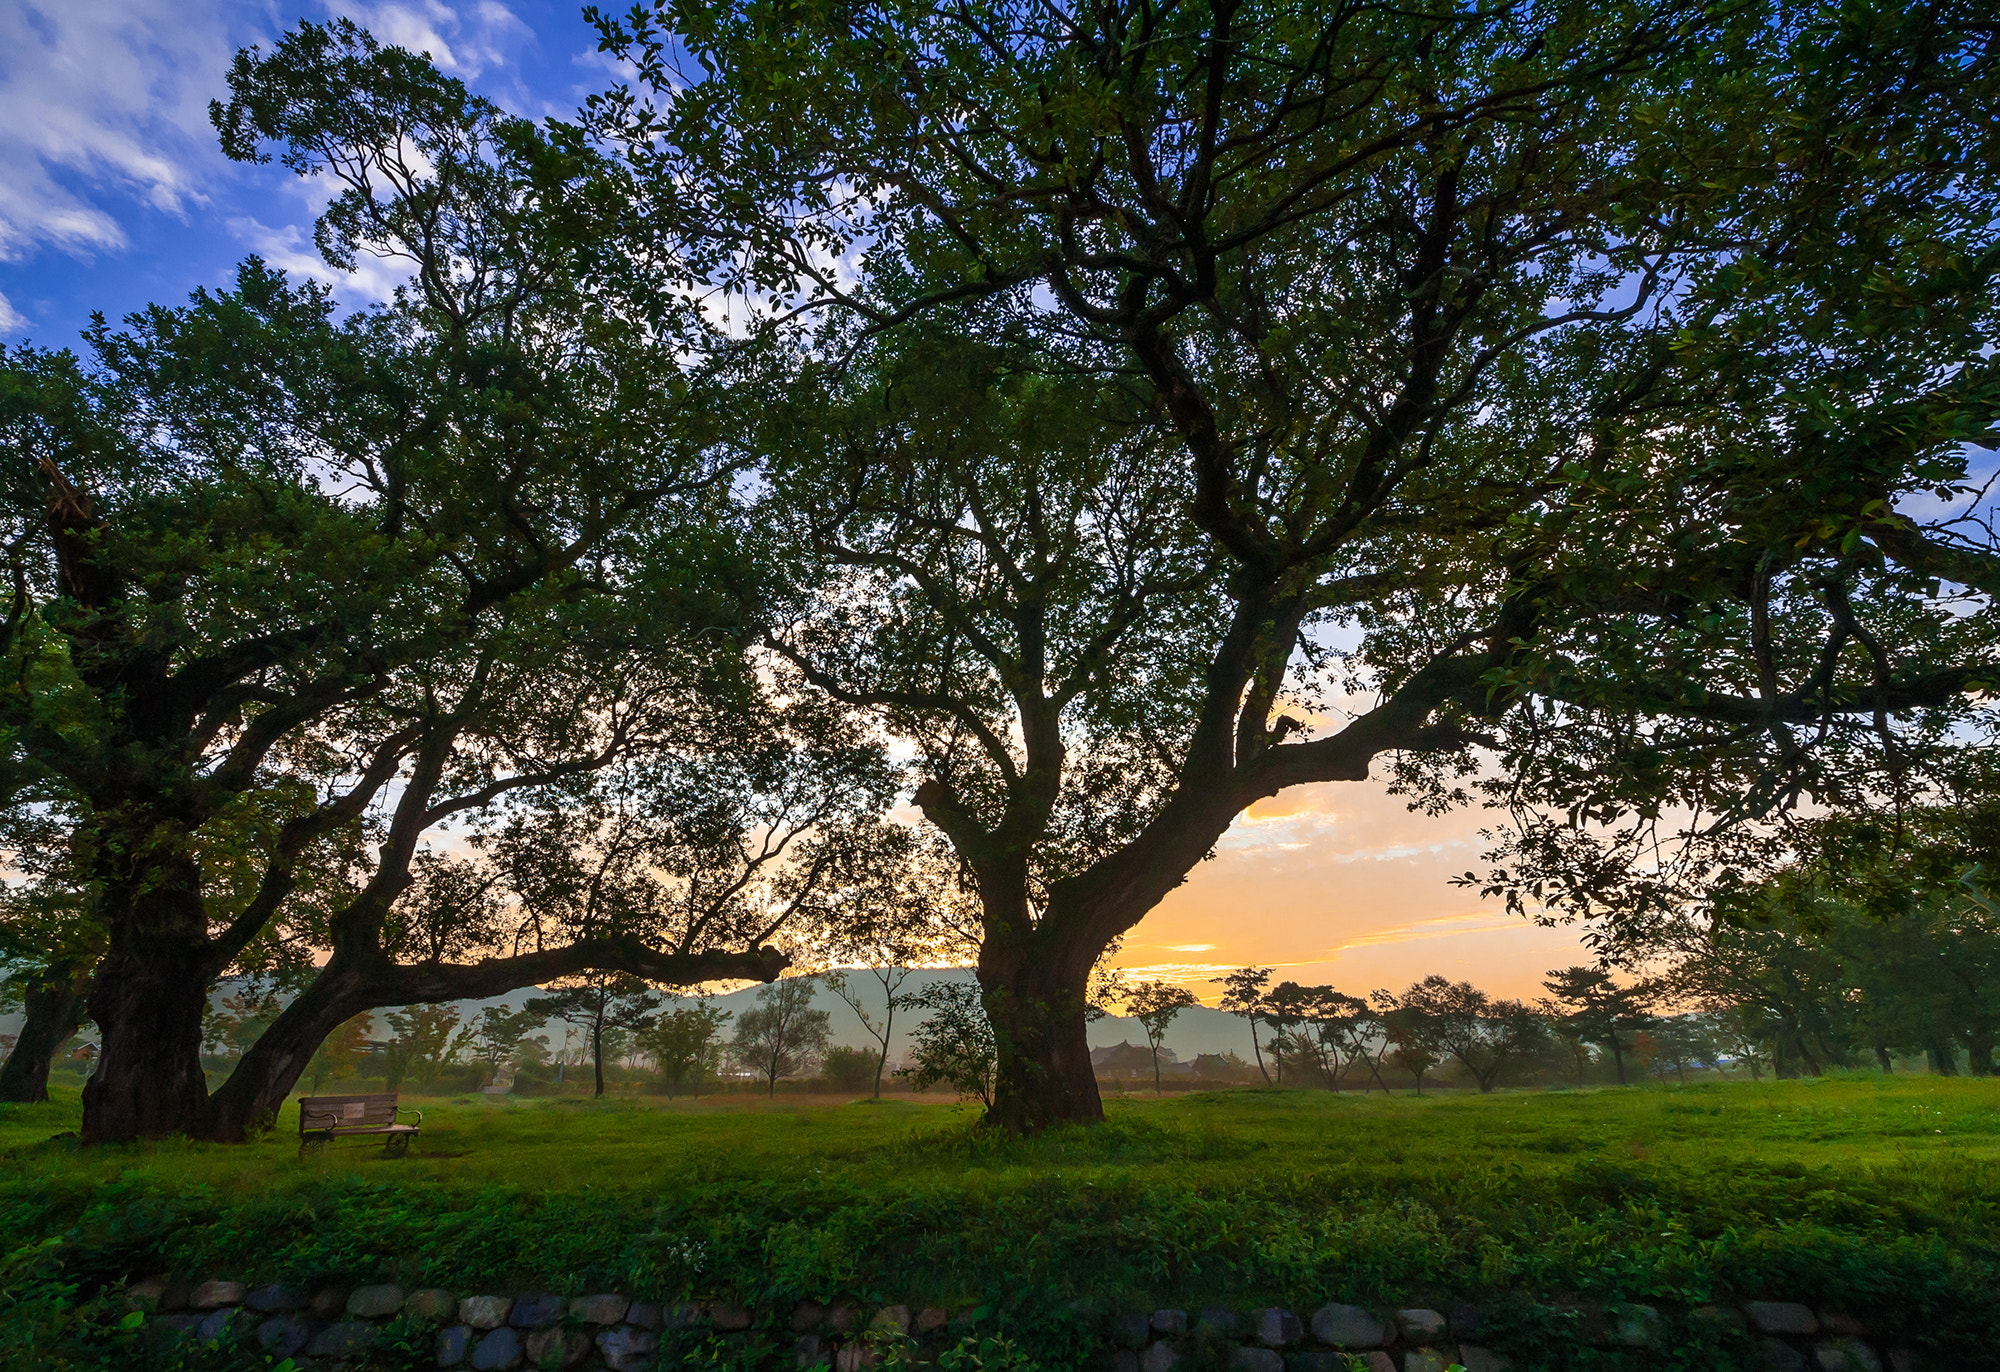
(1870,1193)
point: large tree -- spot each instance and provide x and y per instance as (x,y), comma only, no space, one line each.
(306,577)
(1568,368)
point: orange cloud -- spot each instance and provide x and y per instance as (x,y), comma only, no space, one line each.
(1340,883)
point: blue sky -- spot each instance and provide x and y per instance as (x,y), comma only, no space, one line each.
(113,193)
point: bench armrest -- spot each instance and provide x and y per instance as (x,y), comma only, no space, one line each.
(411,1110)
(313,1121)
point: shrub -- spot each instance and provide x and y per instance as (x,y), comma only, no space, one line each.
(848,1069)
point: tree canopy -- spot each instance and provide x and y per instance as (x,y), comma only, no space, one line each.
(1566,400)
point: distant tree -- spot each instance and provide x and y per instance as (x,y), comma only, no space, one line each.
(1414,1033)
(498,1033)
(1243,996)
(421,1036)
(1681,1042)
(783,1035)
(235,1022)
(953,1044)
(1741,1031)
(685,1045)
(850,1069)
(906,913)
(1573,1049)
(1333,1029)
(1488,1037)
(601,1004)
(1599,1010)
(1155,1004)
(340,1054)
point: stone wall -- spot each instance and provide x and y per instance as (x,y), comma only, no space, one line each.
(350,1327)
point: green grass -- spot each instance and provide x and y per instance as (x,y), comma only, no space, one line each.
(1875,1194)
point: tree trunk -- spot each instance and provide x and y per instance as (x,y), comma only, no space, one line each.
(54,1005)
(1034,998)
(888,1029)
(1944,1061)
(1979,1052)
(1257,1050)
(597,1051)
(1618,1057)
(268,1070)
(147,1000)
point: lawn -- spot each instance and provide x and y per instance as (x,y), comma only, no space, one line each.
(1869,1193)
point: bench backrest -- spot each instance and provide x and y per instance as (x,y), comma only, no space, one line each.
(346,1112)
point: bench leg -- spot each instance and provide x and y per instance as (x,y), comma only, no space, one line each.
(312,1145)
(396,1145)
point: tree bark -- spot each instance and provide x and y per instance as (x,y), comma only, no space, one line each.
(1035,997)
(597,1052)
(1979,1051)
(54,1004)
(351,983)
(271,1067)
(147,1001)
(1257,1051)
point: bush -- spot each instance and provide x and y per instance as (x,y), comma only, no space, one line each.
(849,1069)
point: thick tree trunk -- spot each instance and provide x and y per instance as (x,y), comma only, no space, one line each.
(1618,1057)
(147,999)
(1034,999)
(271,1067)
(1979,1052)
(54,1005)
(349,985)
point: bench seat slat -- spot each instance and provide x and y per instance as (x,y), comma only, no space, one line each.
(343,1116)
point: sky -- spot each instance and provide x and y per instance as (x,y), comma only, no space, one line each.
(113,195)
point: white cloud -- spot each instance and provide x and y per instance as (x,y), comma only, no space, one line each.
(465,40)
(103,100)
(11,319)
(290,248)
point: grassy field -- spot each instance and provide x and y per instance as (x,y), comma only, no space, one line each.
(1870,1193)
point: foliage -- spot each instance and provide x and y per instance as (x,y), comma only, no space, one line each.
(295,587)
(850,1069)
(782,1036)
(1596,1009)
(602,1004)
(685,1045)
(420,1043)
(1591,385)
(1864,1194)
(1156,1004)
(953,1045)
(1489,1038)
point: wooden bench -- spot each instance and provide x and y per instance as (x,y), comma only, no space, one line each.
(324,1118)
